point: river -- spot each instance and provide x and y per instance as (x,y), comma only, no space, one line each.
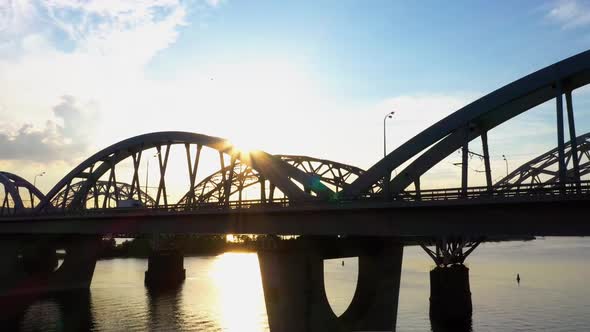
(224,293)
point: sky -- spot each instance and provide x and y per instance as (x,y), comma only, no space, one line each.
(305,77)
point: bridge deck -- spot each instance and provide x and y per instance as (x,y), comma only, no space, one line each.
(542,215)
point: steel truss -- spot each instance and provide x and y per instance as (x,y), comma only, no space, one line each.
(14,186)
(451,250)
(102,195)
(544,169)
(214,188)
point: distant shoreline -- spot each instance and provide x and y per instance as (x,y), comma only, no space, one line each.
(139,248)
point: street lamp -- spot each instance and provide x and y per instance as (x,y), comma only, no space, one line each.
(386,178)
(35,185)
(147,172)
(506,161)
(388,116)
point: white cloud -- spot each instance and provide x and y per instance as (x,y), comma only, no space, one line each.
(214,3)
(570,13)
(92,50)
(15,17)
(66,139)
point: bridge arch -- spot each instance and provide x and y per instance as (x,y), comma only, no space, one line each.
(333,175)
(289,179)
(475,120)
(12,202)
(544,168)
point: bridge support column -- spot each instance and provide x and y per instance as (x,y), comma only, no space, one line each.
(39,260)
(450,294)
(24,276)
(77,269)
(21,282)
(293,283)
(165,269)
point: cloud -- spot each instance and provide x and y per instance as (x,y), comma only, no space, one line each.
(570,13)
(125,32)
(65,139)
(89,50)
(214,3)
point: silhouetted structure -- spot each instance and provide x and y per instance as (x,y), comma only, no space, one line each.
(307,196)
(165,269)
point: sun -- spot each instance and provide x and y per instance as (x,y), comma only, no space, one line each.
(246,143)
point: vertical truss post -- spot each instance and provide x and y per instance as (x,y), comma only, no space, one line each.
(560,142)
(192,170)
(486,159)
(572,130)
(32,199)
(95,190)
(135,181)
(262,188)
(111,182)
(271,195)
(163,164)
(66,192)
(417,187)
(464,167)
(229,182)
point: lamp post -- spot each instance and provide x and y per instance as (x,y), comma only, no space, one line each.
(147,172)
(35,185)
(387,177)
(388,116)
(506,161)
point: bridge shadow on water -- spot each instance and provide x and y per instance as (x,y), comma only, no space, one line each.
(73,311)
(455,326)
(68,311)
(164,308)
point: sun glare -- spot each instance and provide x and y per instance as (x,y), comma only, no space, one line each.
(245,144)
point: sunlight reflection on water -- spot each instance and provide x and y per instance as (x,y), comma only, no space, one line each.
(239,296)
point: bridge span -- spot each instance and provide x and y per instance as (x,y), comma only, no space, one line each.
(544,211)
(328,204)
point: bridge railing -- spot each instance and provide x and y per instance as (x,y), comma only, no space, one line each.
(542,190)
(198,206)
(498,192)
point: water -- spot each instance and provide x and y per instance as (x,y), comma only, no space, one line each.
(224,293)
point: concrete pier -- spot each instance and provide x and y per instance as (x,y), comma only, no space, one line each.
(450,294)
(39,260)
(294,292)
(22,282)
(165,269)
(32,269)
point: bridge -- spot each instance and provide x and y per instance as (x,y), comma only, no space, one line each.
(335,208)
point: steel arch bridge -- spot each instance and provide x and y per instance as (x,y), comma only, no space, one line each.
(76,190)
(457,130)
(544,169)
(304,179)
(213,188)
(12,201)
